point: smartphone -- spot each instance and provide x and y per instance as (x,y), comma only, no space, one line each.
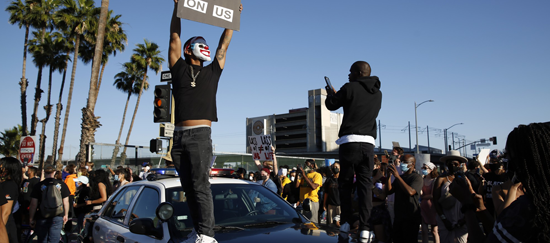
(327,80)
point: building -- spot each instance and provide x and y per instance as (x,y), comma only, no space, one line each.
(307,131)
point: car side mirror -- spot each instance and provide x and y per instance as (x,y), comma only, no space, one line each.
(145,226)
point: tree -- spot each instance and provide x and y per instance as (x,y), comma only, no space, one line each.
(128,81)
(74,17)
(89,121)
(9,141)
(147,56)
(20,14)
(36,47)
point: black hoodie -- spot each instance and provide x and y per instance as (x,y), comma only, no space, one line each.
(362,100)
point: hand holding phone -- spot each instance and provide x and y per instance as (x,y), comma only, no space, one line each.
(330,89)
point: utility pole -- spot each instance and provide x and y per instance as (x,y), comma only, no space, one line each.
(410,136)
(428,132)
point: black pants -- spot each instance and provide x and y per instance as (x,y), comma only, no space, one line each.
(356,159)
(405,231)
(192,155)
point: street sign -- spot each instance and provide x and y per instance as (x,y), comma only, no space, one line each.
(166,130)
(26,149)
(166,76)
(483,144)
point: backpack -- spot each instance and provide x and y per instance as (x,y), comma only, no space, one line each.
(52,201)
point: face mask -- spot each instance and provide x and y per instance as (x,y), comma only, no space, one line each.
(453,169)
(292,178)
(404,167)
(147,167)
(424,172)
(335,170)
(201,51)
(86,167)
(494,167)
(251,178)
(116,177)
(263,177)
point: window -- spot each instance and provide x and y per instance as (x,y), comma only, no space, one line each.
(118,207)
(146,205)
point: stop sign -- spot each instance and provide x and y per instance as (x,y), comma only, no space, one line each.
(26,149)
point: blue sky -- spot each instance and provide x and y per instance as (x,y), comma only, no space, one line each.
(482,62)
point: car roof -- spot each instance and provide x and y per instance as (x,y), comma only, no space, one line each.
(175,181)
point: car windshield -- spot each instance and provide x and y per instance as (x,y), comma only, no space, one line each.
(236,206)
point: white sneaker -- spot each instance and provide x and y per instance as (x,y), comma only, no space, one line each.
(205,239)
(344,231)
(191,237)
(366,236)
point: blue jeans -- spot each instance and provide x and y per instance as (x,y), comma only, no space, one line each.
(356,159)
(192,155)
(49,230)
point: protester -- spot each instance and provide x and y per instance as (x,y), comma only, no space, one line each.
(291,191)
(90,166)
(309,182)
(474,174)
(71,184)
(331,198)
(82,195)
(523,219)
(427,208)
(240,173)
(380,217)
(494,177)
(122,176)
(450,219)
(146,167)
(362,100)
(48,224)
(283,178)
(407,188)
(11,173)
(3,231)
(100,189)
(22,215)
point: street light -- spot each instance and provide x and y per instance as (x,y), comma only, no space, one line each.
(445,135)
(416,122)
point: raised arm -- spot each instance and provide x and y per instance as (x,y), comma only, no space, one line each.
(174,49)
(225,39)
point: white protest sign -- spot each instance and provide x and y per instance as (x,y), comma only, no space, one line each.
(222,13)
(260,146)
(483,156)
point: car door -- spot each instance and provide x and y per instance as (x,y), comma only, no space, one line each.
(145,207)
(112,223)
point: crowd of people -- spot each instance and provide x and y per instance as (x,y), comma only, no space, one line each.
(49,201)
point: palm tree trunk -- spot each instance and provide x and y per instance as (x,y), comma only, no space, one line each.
(37,96)
(69,99)
(23,83)
(100,78)
(117,148)
(58,115)
(44,121)
(134,116)
(89,120)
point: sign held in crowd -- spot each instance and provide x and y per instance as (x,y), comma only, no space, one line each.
(260,146)
(222,13)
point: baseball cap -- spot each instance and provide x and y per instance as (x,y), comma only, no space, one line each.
(49,168)
(82,179)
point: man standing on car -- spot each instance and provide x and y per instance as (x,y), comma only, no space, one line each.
(48,229)
(361,99)
(194,89)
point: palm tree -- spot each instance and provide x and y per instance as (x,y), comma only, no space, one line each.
(89,120)
(54,52)
(36,47)
(75,17)
(148,57)
(64,42)
(20,13)
(42,15)
(9,141)
(128,81)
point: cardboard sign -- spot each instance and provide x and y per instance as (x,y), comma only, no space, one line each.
(222,13)
(260,146)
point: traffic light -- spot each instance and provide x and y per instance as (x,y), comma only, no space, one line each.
(155,146)
(162,103)
(494,139)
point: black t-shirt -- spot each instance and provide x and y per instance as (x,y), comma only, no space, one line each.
(491,179)
(26,190)
(331,189)
(199,102)
(2,199)
(39,187)
(407,207)
(81,195)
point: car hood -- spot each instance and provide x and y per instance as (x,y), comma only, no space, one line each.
(278,233)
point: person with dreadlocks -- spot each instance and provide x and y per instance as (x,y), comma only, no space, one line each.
(194,87)
(527,218)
